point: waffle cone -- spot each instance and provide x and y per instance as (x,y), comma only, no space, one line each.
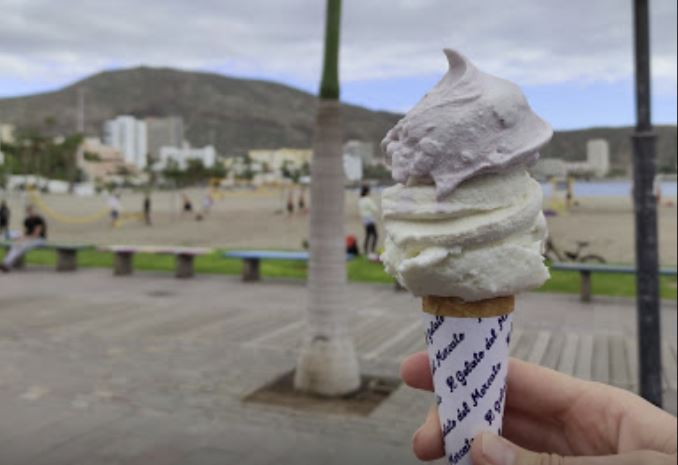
(459,308)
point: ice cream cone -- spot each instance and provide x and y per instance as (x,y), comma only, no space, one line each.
(468,351)
(458,308)
(465,219)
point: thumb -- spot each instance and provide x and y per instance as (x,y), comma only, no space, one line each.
(489,449)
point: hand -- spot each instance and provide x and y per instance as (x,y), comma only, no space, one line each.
(554,419)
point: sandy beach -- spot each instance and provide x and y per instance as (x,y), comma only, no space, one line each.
(258,219)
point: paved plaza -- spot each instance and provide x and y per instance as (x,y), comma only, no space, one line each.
(149,370)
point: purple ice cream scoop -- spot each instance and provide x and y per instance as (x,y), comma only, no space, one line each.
(470,123)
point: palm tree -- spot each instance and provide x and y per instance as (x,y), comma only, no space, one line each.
(328,364)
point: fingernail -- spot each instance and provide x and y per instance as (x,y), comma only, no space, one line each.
(497,451)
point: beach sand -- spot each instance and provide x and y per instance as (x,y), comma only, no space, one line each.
(258,219)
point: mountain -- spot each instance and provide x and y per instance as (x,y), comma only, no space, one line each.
(241,114)
(234,114)
(571,146)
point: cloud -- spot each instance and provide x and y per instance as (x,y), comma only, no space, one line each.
(531,41)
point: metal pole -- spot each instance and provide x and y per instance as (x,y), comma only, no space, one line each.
(81,111)
(645,203)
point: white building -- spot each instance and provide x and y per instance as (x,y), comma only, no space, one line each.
(597,164)
(362,150)
(182,155)
(6,136)
(548,168)
(273,160)
(129,136)
(353,167)
(7,133)
(598,156)
(271,164)
(103,163)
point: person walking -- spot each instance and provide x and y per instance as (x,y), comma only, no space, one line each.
(187,204)
(147,209)
(302,200)
(368,213)
(207,203)
(35,235)
(4,220)
(114,208)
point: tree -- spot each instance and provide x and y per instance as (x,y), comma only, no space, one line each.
(195,172)
(69,154)
(218,170)
(172,172)
(305,169)
(328,364)
(34,153)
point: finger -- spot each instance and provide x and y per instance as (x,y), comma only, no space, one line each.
(489,449)
(535,433)
(539,390)
(427,441)
(552,396)
(416,371)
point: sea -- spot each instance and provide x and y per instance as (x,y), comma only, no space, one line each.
(612,188)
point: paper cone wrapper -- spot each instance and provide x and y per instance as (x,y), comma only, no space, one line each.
(468,349)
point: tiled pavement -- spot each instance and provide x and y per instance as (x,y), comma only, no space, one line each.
(149,370)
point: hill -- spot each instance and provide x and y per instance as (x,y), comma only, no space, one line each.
(571,146)
(240,114)
(235,114)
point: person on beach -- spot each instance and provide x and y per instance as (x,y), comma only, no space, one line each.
(368,213)
(187,204)
(114,208)
(352,245)
(147,209)
(552,418)
(4,220)
(35,235)
(302,200)
(207,203)
(290,202)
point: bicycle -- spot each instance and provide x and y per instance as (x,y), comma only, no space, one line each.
(552,253)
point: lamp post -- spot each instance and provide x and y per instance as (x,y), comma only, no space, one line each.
(645,205)
(80,122)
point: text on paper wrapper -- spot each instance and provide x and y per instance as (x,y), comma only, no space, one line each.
(472,354)
(433,327)
(479,393)
(461,453)
(469,365)
(442,354)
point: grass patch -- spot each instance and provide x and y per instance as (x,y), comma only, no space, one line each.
(609,284)
(359,270)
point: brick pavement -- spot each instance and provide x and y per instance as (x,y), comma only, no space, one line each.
(150,370)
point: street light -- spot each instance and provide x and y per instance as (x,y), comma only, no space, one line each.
(645,203)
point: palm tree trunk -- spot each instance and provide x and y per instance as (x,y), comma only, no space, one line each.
(328,364)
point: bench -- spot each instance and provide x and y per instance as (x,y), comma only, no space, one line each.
(587,269)
(252,260)
(67,254)
(123,264)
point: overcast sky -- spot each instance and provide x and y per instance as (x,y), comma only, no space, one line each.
(573,58)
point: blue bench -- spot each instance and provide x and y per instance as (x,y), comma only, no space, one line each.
(67,254)
(587,269)
(252,260)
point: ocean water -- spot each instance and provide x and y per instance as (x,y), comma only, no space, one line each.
(620,188)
